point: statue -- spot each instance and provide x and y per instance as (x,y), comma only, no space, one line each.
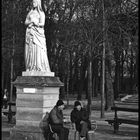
(36,58)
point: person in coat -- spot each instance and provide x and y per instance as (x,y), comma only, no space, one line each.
(80,120)
(56,121)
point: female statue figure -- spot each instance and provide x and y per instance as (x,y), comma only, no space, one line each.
(36,58)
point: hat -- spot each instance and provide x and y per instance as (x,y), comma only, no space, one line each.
(77,103)
(59,103)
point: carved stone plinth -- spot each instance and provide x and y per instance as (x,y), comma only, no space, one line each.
(36,95)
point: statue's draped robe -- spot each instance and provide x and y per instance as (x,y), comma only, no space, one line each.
(36,58)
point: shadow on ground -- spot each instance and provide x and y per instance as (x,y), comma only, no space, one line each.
(126,132)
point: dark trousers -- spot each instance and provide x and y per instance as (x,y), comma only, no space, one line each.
(82,129)
(61,131)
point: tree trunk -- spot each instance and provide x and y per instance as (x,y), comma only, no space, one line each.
(3,77)
(68,75)
(62,89)
(93,85)
(86,83)
(109,90)
(71,80)
(89,87)
(11,89)
(79,87)
(103,65)
(117,74)
(108,80)
(121,74)
(67,90)
(131,72)
(95,78)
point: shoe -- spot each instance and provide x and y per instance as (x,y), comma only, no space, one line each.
(82,138)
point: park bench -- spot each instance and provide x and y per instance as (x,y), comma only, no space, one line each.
(127,105)
(10,111)
(73,134)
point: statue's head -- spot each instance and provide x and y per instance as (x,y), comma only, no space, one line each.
(37,4)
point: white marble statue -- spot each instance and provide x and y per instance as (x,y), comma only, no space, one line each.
(36,58)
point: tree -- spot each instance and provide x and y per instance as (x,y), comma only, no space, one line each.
(75,38)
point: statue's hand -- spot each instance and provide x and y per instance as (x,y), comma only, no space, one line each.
(30,24)
(35,22)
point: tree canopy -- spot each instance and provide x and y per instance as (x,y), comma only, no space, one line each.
(74,37)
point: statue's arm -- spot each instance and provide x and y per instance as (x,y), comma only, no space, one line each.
(28,21)
(41,20)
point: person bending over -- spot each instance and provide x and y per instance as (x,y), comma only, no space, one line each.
(56,121)
(80,120)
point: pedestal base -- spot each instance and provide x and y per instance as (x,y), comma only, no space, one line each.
(26,133)
(36,95)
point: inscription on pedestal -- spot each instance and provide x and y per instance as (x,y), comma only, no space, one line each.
(29,90)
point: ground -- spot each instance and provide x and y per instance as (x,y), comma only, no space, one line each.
(104,130)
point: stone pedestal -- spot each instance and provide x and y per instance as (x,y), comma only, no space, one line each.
(36,95)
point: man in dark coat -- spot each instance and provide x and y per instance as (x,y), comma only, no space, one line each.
(56,121)
(80,120)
